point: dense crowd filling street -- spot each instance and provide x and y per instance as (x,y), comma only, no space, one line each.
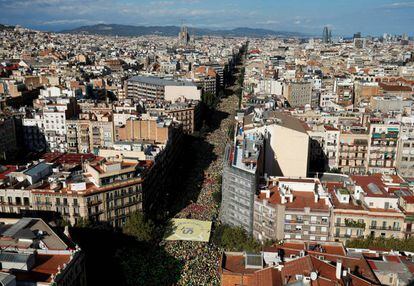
(200,260)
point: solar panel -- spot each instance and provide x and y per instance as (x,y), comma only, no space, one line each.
(374,189)
(254,260)
(22,223)
(14,257)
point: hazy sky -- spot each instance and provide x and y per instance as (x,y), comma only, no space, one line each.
(309,16)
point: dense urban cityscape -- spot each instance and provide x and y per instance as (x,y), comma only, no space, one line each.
(199,159)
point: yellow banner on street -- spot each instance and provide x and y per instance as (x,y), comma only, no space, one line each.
(190,230)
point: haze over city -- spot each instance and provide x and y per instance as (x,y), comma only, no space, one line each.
(373,17)
(207,143)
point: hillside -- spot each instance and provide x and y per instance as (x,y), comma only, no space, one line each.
(128,30)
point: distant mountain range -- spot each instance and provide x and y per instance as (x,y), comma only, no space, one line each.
(5,27)
(128,30)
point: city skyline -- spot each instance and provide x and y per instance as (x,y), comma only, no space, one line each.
(369,16)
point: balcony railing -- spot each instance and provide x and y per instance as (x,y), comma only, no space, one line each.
(94,202)
(385,228)
(349,225)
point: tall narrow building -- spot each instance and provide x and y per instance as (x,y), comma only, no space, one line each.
(327,35)
(183,36)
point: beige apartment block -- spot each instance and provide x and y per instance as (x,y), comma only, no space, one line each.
(149,130)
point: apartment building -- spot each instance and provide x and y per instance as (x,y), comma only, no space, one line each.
(298,262)
(353,152)
(8,138)
(325,142)
(155,88)
(45,128)
(286,142)
(299,94)
(104,191)
(89,133)
(107,191)
(34,254)
(207,78)
(151,129)
(187,113)
(383,143)
(243,165)
(344,90)
(367,207)
(292,209)
(78,136)
(405,154)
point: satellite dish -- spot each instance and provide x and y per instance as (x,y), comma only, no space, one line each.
(313,276)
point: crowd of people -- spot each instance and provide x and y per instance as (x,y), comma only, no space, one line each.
(200,259)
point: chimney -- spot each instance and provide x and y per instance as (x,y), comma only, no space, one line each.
(283,199)
(316,196)
(338,269)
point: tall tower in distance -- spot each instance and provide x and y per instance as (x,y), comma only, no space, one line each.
(183,36)
(327,35)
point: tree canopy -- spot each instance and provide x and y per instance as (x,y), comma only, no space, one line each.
(141,228)
(235,239)
(382,243)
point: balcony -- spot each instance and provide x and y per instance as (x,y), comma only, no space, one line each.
(349,226)
(293,221)
(385,228)
(94,202)
(348,236)
(43,203)
(293,230)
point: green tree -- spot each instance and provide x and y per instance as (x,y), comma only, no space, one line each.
(140,227)
(335,171)
(217,197)
(148,265)
(230,131)
(406,244)
(209,99)
(235,239)
(83,222)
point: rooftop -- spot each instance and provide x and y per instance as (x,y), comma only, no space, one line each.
(160,81)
